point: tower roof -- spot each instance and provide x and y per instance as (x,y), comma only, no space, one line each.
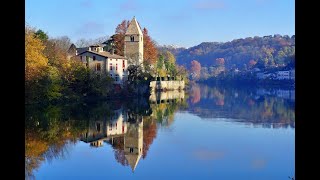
(133,160)
(134,27)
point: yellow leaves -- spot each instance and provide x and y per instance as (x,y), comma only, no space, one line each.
(35,61)
(162,72)
(35,147)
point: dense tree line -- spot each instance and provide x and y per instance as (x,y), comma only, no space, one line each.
(50,76)
(262,52)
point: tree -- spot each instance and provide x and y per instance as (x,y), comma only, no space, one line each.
(252,63)
(220,61)
(119,37)
(195,69)
(62,42)
(35,60)
(88,42)
(169,57)
(149,48)
(160,66)
(82,43)
(41,35)
(56,55)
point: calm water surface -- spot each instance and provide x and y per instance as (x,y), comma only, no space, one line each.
(205,133)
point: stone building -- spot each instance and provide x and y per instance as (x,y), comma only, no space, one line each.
(133,143)
(133,43)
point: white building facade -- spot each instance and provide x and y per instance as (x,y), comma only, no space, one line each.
(103,62)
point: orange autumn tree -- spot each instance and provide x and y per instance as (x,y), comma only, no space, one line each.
(149,134)
(252,63)
(150,51)
(195,69)
(119,37)
(220,61)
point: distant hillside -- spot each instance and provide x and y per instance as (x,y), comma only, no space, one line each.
(172,48)
(266,50)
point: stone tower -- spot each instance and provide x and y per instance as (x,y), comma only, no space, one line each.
(133,143)
(133,44)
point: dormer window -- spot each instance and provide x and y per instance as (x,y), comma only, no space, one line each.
(132,38)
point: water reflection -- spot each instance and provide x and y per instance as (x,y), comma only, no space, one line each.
(270,108)
(130,127)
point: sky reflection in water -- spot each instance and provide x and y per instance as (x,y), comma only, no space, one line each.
(206,133)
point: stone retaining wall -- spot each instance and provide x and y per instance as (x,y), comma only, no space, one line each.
(166,85)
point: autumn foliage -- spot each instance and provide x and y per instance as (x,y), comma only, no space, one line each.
(119,37)
(195,69)
(252,63)
(149,133)
(220,61)
(35,60)
(150,51)
(149,47)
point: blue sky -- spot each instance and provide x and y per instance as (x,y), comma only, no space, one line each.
(180,22)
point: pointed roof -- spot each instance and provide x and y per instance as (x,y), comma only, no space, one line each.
(134,27)
(133,160)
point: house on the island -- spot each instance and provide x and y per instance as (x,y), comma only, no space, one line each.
(106,128)
(102,62)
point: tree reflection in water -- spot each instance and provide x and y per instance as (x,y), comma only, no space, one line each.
(131,126)
(51,131)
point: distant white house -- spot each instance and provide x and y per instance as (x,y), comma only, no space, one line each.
(279,75)
(283,75)
(293,74)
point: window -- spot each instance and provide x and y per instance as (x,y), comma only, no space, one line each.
(111,75)
(110,66)
(98,67)
(116,67)
(131,150)
(98,127)
(94,58)
(131,38)
(116,78)
(122,70)
(80,58)
(123,64)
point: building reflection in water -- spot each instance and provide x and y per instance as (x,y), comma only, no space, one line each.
(120,127)
(130,127)
(124,129)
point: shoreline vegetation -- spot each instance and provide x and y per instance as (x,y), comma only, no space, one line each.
(51,76)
